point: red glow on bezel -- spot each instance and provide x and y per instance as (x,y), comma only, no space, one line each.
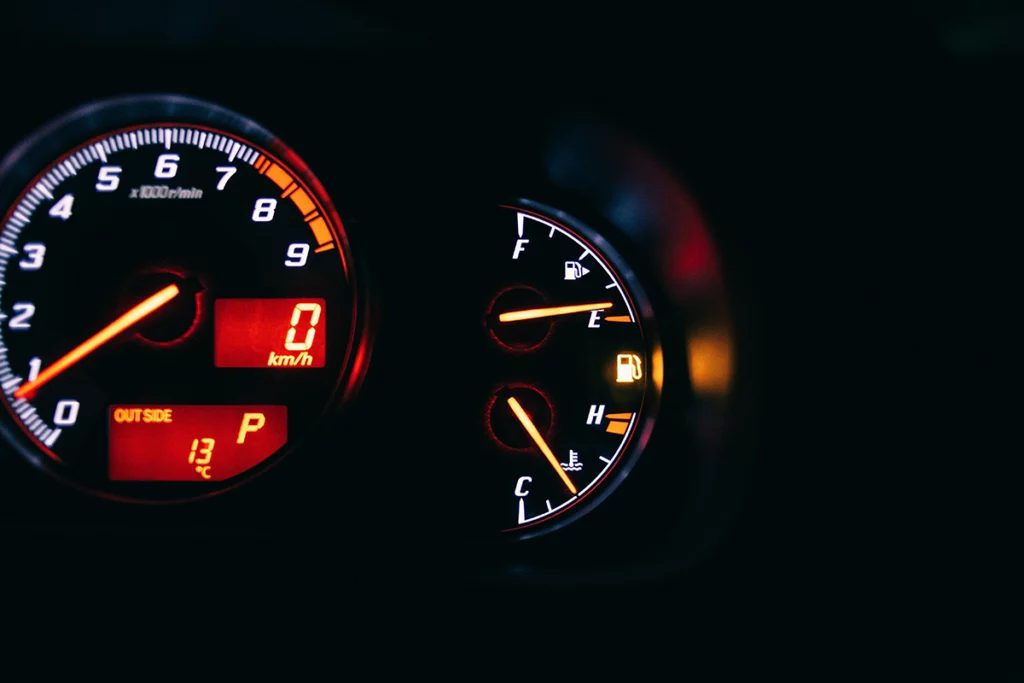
(489,316)
(200,300)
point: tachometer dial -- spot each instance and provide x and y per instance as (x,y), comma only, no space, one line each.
(577,367)
(177,298)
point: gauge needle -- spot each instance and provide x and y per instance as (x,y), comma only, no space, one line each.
(533,313)
(134,315)
(539,440)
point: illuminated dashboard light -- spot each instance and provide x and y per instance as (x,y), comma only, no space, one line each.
(710,357)
(269,333)
(192,442)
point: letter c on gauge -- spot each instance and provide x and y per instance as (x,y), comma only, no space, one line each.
(519,486)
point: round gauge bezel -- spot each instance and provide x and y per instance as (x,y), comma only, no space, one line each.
(641,433)
(29,160)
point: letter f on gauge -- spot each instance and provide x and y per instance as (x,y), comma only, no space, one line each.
(520,248)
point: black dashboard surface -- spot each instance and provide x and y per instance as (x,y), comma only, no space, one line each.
(816,144)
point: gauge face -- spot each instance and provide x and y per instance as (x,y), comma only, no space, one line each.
(572,341)
(177,300)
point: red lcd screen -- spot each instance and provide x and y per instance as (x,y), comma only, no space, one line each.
(269,333)
(192,443)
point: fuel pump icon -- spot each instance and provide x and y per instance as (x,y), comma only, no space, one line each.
(574,271)
(627,368)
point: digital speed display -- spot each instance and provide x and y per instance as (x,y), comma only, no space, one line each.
(269,333)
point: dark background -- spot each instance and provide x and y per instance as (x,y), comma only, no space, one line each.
(856,162)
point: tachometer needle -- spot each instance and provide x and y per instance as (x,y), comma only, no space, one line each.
(134,315)
(531,429)
(533,313)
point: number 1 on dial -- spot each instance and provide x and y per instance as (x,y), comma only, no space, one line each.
(33,368)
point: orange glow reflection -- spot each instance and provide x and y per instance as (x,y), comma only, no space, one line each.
(710,357)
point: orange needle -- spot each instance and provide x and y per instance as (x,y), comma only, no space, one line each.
(539,440)
(134,315)
(533,313)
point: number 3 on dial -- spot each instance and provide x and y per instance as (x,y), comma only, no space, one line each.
(34,253)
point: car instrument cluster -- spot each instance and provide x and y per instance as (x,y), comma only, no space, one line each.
(197,317)
(178,299)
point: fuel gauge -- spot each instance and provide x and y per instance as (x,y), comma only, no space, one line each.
(578,363)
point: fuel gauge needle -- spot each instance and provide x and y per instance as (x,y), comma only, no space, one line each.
(133,315)
(534,313)
(531,429)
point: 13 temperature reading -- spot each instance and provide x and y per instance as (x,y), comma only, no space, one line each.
(192,443)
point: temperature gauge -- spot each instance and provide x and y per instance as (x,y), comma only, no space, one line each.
(577,368)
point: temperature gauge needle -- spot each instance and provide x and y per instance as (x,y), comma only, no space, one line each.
(134,315)
(534,313)
(531,429)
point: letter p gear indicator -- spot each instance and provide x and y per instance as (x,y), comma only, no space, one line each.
(251,422)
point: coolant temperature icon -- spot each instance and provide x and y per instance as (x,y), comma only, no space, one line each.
(627,368)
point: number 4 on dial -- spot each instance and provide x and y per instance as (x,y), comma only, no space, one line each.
(62,209)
